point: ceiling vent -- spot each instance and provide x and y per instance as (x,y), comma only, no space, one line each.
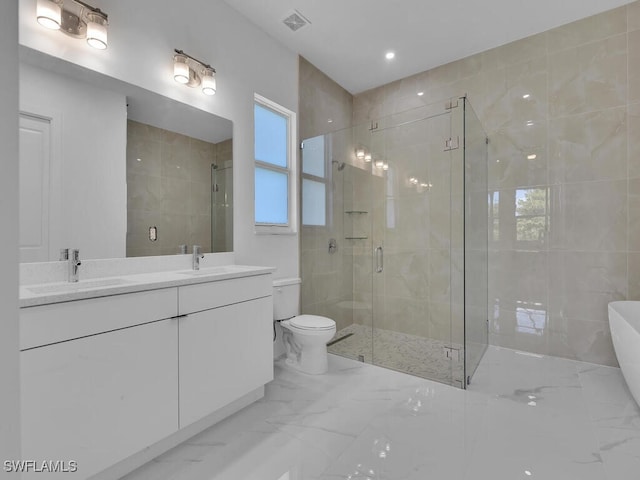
(296,21)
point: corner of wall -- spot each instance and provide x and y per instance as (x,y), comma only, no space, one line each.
(9,346)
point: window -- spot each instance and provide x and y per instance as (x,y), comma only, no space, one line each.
(274,144)
(532,214)
(314,182)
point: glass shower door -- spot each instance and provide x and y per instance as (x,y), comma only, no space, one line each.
(417,241)
(394,240)
(476,238)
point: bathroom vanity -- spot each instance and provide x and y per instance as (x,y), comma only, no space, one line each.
(121,369)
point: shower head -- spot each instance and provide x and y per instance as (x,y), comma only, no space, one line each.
(340,165)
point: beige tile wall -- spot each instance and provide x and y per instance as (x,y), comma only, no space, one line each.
(169,186)
(327,281)
(571,97)
(581,120)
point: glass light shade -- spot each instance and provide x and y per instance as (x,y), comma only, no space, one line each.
(180,69)
(379,163)
(385,166)
(97,34)
(367,157)
(49,14)
(360,153)
(209,82)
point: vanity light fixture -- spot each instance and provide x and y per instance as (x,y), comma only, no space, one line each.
(379,164)
(367,157)
(192,72)
(385,166)
(76,19)
(360,153)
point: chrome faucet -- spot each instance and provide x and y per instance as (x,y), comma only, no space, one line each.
(197,255)
(74,263)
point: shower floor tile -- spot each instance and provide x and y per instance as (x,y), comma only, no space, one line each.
(419,356)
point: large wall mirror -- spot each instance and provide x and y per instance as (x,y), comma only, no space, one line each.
(116,170)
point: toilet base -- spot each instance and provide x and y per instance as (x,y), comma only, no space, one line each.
(306,358)
(314,360)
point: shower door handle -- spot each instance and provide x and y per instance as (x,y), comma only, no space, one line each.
(379,259)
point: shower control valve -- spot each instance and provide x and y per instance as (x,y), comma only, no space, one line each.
(333,245)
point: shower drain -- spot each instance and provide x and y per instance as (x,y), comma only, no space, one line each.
(332,342)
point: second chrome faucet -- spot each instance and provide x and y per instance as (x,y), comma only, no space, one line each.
(197,255)
(74,263)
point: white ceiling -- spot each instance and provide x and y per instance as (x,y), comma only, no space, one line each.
(347,39)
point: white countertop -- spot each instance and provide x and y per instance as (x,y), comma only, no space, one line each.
(56,292)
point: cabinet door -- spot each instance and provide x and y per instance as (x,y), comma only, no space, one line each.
(224,354)
(99,399)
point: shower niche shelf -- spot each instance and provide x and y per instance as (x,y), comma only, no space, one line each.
(356,225)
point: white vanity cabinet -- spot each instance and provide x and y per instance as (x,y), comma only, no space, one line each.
(225,345)
(112,381)
(99,378)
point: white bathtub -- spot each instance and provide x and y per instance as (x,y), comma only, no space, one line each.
(624,322)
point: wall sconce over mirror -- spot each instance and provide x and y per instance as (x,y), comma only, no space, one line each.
(76,19)
(193,73)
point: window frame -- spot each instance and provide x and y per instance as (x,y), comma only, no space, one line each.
(291,228)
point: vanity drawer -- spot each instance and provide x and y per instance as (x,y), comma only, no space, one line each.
(58,322)
(204,296)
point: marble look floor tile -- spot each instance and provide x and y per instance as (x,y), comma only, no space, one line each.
(524,416)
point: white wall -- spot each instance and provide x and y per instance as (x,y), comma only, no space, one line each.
(91,127)
(142,36)
(9,363)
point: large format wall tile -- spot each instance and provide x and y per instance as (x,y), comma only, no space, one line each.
(634,65)
(633,16)
(587,30)
(590,146)
(590,216)
(169,176)
(328,278)
(633,138)
(634,215)
(589,77)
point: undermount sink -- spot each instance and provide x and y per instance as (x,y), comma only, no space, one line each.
(216,270)
(76,286)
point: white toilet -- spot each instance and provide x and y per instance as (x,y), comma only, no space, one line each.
(305,336)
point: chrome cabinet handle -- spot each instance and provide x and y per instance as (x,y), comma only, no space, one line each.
(379,259)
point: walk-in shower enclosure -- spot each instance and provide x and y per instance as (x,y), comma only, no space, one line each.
(394,240)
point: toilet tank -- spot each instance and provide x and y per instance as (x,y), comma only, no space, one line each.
(286,298)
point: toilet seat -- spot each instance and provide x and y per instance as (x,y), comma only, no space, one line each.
(311,323)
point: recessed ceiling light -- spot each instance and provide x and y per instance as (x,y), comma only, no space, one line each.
(526,95)
(329,121)
(530,123)
(420,94)
(389,55)
(533,156)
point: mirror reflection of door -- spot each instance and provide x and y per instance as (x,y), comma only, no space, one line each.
(35,190)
